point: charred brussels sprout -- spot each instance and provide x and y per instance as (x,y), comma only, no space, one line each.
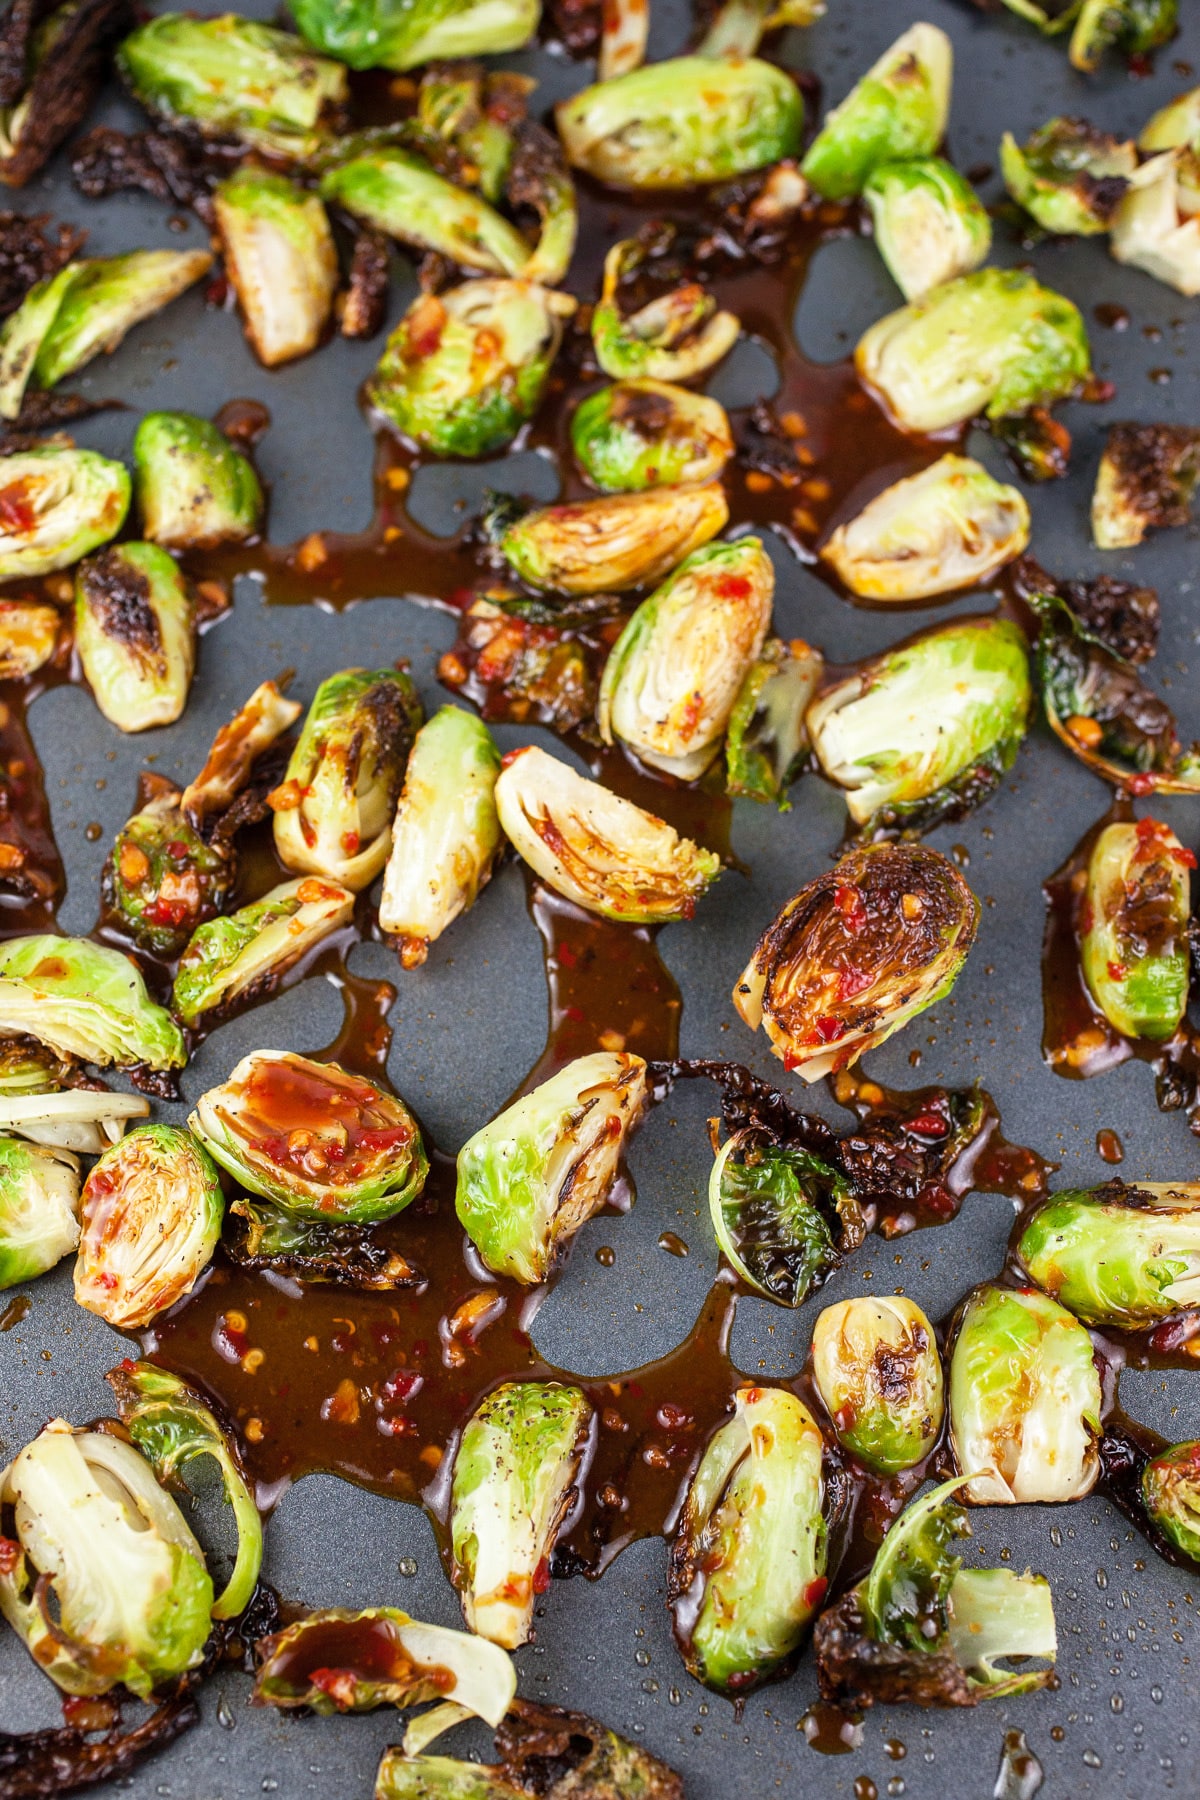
(675,337)
(641,434)
(766,741)
(106,298)
(250,949)
(446,834)
(856,954)
(1135,27)
(39,1201)
(233,76)
(465,369)
(398,34)
(1068,176)
(674,674)
(1171,1496)
(261,722)
(336,1661)
(951,526)
(994,342)
(1156,227)
(747,1569)
(930,225)
(23,333)
(1119,1256)
(675,124)
(161,878)
(398,192)
(29,637)
(135,635)
(897,111)
(774,1208)
(925,731)
(280,256)
(596,849)
(56,504)
(1134,943)
(1024,1399)
(96,1533)
(1146,479)
(333,813)
(878,1372)
(546,1164)
(318,1141)
(1174,126)
(512,1489)
(150,1217)
(85,1000)
(194,489)
(609,545)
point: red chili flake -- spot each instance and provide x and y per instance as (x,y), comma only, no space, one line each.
(814,1593)
(1185,858)
(167,912)
(18,515)
(929,1124)
(567,956)
(849,903)
(1117,971)
(1140,784)
(541,1579)
(338,1684)
(828,1029)
(852,982)
(401,1386)
(672,1417)
(177,850)
(10,1555)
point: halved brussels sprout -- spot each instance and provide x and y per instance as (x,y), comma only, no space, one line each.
(228,75)
(1146,479)
(338,1661)
(29,635)
(896,111)
(56,504)
(135,635)
(446,834)
(766,740)
(318,1141)
(856,954)
(878,1372)
(994,342)
(640,434)
(1157,225)
(1171,1495)
(775,1208)
(253,728)
(266,1237)
(747,1569)
(150,1217)
(85,1000)
(465,369)
(675,337)
(1024,1399)
(193,488)
(680,123)
(333,812)
(162,879)
(96,1533)
(22,335)
(1134,940)
(396,34)
(172,1427)
(951,526)
(1118,1256)
(612,544)
(82,1120)
(930,224)
(1174,126)
(39,1204)
(280,256)
(106,297)
(1068,176)
(923,1628)
(546,1164)
(250,949)
(1133,26)
(512,1489)
(926,730)
(399,193)
(596,849)
(674,674)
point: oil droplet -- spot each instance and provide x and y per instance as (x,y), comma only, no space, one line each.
(865,1789)
(407,1565)
(1109,1147)
(93,832)
(269,1785)
(606,1256)
(1092,1760)
(674,1696)
(1160,377)
(895,1749)
(225,1718)
(896,1785)
(641,1657)
(1101,1578)
(831,1731)
(1020,1774)
(674,1246)
(961,855)
(649,1686)
(15,1311)
(914,1059)
(1156,1694)
(1056,1536)
(1117,1703)
(1057,1733)
(1114,317)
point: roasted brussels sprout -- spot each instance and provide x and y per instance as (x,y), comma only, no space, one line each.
(640,434)
(1024,1399)
(608,545)
(23,334)
(29,637)
(930,225)
(995,342)
(546,1164)
(172,1427)
(675,337)
(775,1210)
(446,834)
(1171,1496)
(318,1141)
(56,504)
(856,954)
(1134,939)
(255,726)
(747,1568)
(395,34)
(766,741)
(465,369)
(135,635)
(926,730)
(55,59)
(85,1000)
(923,1628)
(250,949)
(194,489)
(512,1489)
(162,879)
(266,1237)
(591,846)
(1146,478)
(897,111)
(337,1661)
(280,256)
(95,1532)
(1118,1256)
(106,298)
(1134,27)
(83,1120)
(676,124)
(1068,176)
(1174,126)
(951,526)
(1157,225)
(399,193)
(878,1372)
(39,1203)
(333,812)
(674,674)
(233,76)
(150,1217)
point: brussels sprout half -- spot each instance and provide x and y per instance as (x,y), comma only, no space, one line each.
(251,948)
(1146,479)
(106,298)
(896,111)
(194,489)
(511,1492)
(1156,228)
(82,1120)
(318,1141)
(22,335)
(1133,26)
(608,545)
(591,846)
(255,726)
(766,740)
(397,34)
(1068,176)
(85,1000)
(39,1204)
(951,526)
(280,256)
(401,194)
(162,879)
(772,1207)
(29,637)
(95,1531)
(1134,940)
(1024,1399)
(546,1164)
(640,434)
(1171,1495)
(56,504)
(339,1661)
(135,635)
(878,1372)
(675,337)
(1174,126)
(930,225)
(1117,1256)
(747,1568)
